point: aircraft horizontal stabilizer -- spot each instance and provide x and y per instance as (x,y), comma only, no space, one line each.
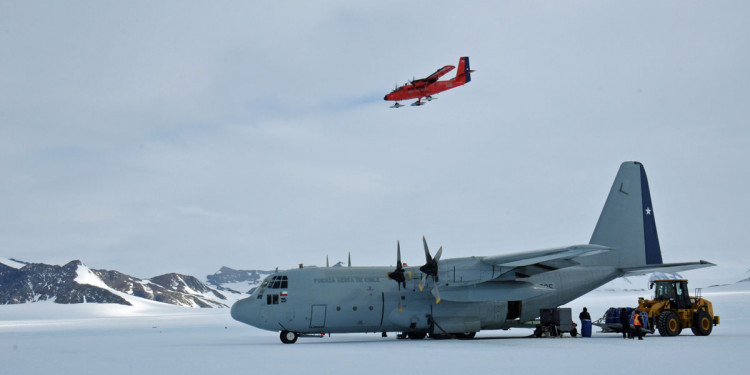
(667,268)
(533,257)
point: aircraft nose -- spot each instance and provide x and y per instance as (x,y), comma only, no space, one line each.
(385,97)
(242,310)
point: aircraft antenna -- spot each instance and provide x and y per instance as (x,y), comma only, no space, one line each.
(327,261)
(350,259)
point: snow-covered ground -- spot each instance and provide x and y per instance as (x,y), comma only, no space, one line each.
(154,338)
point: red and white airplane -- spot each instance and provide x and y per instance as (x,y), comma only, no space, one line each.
(427,87)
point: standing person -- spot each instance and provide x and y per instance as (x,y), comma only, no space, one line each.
(585,318)
(638,323)
(584,315)
(625,323)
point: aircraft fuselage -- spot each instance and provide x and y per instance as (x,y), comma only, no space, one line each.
(364,299)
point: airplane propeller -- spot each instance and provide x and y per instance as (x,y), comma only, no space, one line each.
(398,274)
(431,269)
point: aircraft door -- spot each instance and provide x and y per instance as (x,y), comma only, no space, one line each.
(318,316)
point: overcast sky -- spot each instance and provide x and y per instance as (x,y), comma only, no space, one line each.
(176,137)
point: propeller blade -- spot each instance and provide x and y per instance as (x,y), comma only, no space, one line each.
(398,254)
(421,283)
(400,270)
(427,255)
(438,254)
(436,293)
(431,266)
(398,274)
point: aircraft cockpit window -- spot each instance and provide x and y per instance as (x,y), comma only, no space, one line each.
(262,288)
(272,299)
(278,282)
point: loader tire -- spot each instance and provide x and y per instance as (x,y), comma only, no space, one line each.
(668,324)
(703,324)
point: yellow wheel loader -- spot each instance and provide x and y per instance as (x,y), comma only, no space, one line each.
(672,309)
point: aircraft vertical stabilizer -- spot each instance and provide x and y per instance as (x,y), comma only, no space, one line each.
(627,221)
(463,69)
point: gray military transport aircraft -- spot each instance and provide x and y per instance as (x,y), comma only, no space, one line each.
(459,297)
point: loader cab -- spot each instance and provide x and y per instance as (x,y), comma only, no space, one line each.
(676,291)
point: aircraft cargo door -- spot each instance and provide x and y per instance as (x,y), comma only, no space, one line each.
(318,316)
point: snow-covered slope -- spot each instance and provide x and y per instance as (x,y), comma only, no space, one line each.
(42,282)
(11,263)
(77,283)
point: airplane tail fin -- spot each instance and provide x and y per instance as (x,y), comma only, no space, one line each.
(627,224)
(627,221)
(464,71)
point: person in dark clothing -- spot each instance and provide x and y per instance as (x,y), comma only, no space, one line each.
(584,315)
(625,323)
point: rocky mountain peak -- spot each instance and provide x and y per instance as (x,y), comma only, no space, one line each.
(76,283)
(41,282)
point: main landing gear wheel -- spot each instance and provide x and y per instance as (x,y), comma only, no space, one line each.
(466,335)
(668,324)
(703,324)
(288,337)
(417,335)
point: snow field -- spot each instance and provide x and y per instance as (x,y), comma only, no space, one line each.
(43,338)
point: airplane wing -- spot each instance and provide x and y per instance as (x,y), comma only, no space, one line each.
(667,268)
(532,257)
(509,273)
(534,262)
(439,73)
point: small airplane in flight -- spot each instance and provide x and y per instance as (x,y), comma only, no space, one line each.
(467,294)
(427,87)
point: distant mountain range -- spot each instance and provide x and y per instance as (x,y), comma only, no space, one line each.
(74,282)
(239,281)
